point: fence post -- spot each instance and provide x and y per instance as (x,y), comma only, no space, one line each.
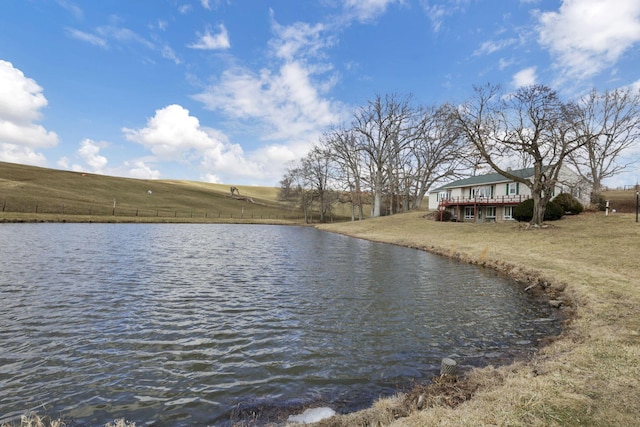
(63,209)
(36,208)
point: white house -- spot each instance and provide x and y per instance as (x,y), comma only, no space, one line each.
(492,197)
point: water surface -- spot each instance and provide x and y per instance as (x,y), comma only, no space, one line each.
(190,324)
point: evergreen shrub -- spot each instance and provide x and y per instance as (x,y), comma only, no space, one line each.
(569,204)
(524,211)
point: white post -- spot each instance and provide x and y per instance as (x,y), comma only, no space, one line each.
(606,209)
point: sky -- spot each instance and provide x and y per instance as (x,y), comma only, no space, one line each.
(233,91)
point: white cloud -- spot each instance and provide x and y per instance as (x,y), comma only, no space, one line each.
(13,153)
(168,53)
(123,35)
(63,162)
(491,46)
(367,10)
(504,63)
(299,40)
(207,41)
(87,37)
(139,169)
(287,103)
(436,14)
(524,77)
(438,10)
(21,100)
(20,97)
(587,36)
(89,152)
(72,8)
(107,35)
(172,134)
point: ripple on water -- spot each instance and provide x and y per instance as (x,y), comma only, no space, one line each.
(194,324)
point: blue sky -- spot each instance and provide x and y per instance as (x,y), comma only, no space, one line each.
(233,90)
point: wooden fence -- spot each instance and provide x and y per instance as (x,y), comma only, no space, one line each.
(92,210)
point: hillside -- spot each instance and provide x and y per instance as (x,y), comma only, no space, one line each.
(33,190)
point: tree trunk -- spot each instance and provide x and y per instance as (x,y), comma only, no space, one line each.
(377,202)
(538,209)
(595,192)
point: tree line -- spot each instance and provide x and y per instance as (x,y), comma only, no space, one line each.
(393,151)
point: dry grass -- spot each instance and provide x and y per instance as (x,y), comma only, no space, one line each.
(34,420)
(590,375)
(621,200)
(29,193)
(37,194)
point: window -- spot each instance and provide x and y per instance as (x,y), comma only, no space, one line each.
(508,212)
(469,212)
(575,192)
(444,195)
(484,191)
(491,211)
(512,188)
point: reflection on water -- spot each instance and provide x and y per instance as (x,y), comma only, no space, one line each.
(182,324)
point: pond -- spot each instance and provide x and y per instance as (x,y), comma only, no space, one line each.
(194,324)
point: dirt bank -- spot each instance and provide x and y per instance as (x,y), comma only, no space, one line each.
(587,266)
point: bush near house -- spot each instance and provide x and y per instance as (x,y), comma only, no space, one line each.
(443,216)
(524,211)
(569,204)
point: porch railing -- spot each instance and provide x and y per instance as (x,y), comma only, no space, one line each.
(479,200)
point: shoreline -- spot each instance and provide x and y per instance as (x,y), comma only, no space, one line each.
(7,218)
(563,383)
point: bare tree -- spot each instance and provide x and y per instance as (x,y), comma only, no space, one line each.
(438,151)
(343,146)
(615,117)
(379,126)
(531,124)
(293,188)
(317,169)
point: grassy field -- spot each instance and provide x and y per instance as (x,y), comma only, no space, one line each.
(623,201)
(31,193)
(589,376)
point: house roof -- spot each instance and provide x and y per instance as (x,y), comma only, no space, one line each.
(491,178)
